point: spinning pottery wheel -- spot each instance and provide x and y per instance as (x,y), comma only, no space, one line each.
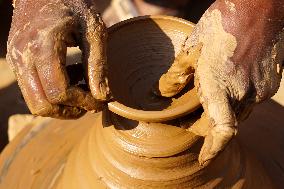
(141,141)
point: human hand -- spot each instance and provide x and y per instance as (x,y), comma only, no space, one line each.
(237,51)
(40,33)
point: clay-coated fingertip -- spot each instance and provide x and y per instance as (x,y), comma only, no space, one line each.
(167,93)
(204,159)
(164,91)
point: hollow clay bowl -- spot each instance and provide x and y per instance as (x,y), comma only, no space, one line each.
(139,51)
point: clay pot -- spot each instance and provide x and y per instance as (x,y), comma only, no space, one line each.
(131,145)
(140,50)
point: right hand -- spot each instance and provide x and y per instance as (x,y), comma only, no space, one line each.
(40,33)
(237,52)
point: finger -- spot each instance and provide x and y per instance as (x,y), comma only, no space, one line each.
(49,58)
(49,52)
(33,93)
(94,54)
(80,98)
(180,73)
(216,104)
(215,142)
(222,120)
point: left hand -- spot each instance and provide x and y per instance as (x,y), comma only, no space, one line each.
(40,33)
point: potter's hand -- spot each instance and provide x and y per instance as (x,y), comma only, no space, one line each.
(40,33)
(240,47)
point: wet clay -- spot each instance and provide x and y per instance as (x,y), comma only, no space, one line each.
(137,60)
(180,73)
(83,154)
(106,150)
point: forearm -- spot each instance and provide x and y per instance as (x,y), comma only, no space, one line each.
(258,19)
(271,11)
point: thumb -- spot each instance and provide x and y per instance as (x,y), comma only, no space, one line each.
(94,53)
(222,119)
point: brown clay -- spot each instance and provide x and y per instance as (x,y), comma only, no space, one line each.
(138,59)
(139,153)
(106,150)
(180,73)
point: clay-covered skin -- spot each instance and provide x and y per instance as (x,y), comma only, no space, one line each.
(240,64)
(40,33)
(180,72)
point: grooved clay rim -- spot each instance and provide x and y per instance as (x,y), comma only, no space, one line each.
(154,116)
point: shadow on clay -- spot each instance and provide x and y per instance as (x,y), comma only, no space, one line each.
(137,57)
(136,60)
